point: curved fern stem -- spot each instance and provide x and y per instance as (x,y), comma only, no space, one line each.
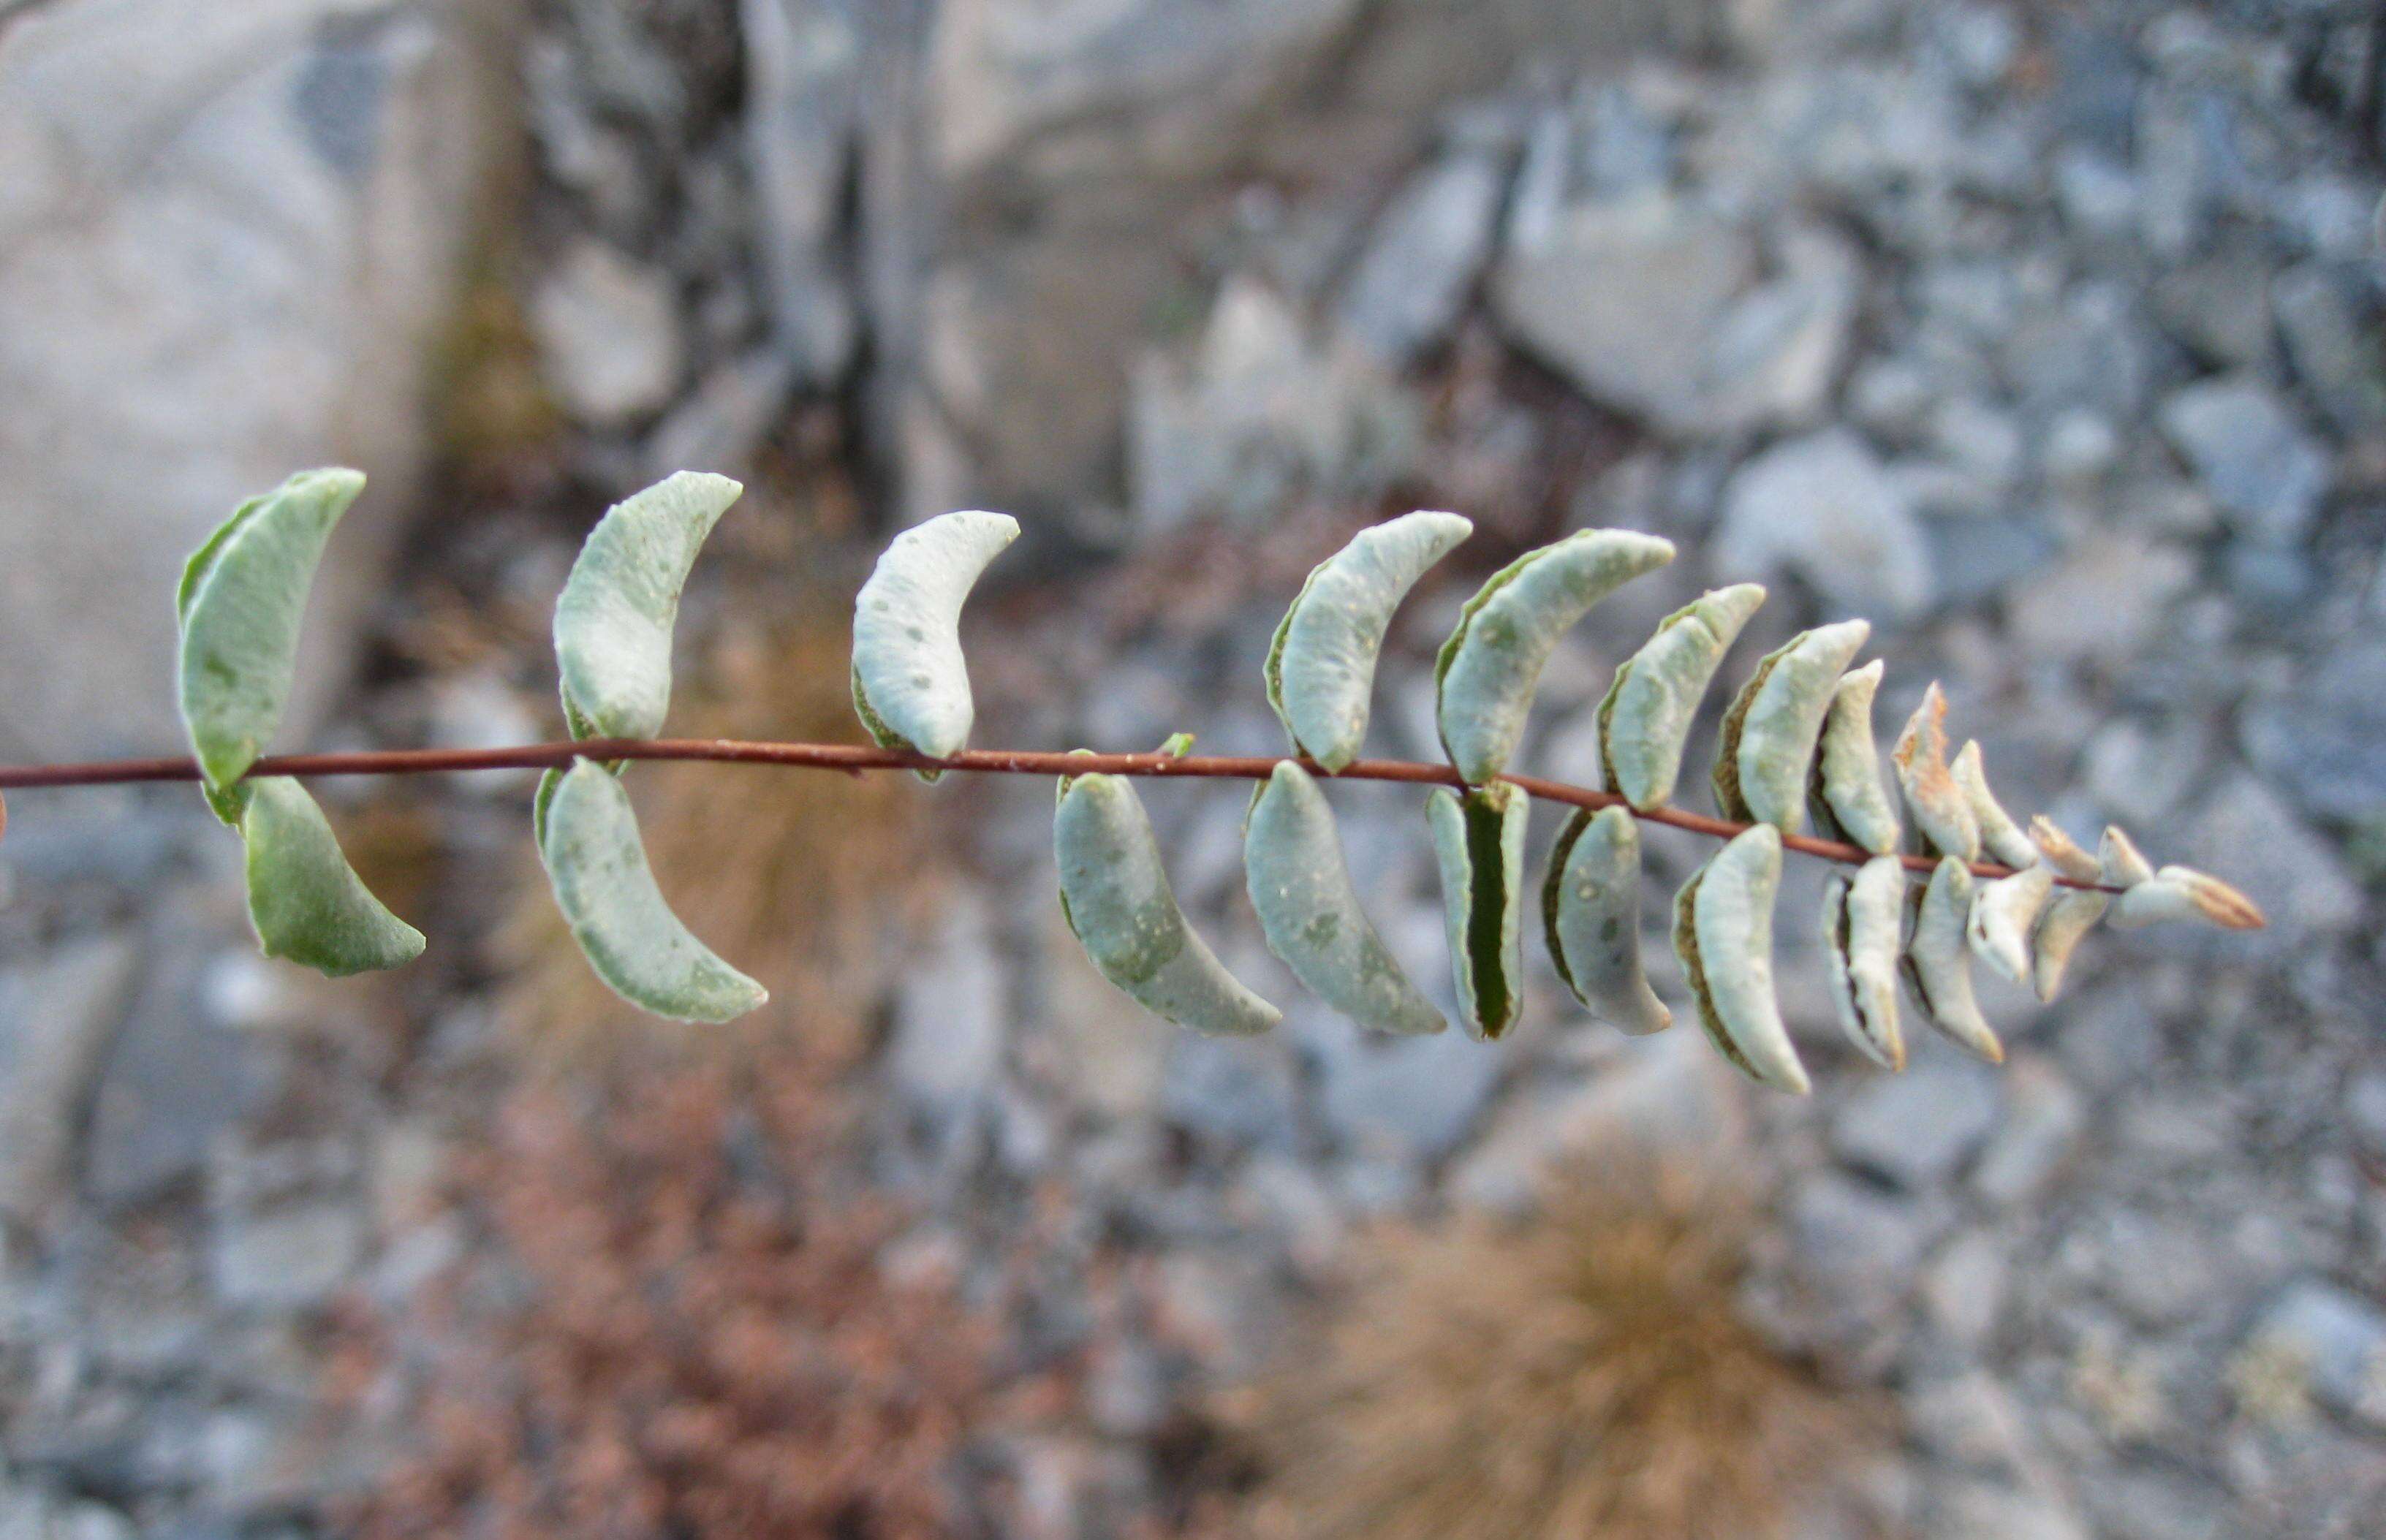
(857,759)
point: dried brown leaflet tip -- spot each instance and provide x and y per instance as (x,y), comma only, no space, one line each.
(1943,813)
(2183,892)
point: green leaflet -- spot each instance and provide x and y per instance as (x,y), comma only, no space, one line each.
(1723,932)
(2004,914)
(1848,800)
(1320,665)
(240,603)
(1590,913)
(1644,723)
(1861,924)
(1937,967)
(1769,735)
(307,904)
(617,914)
(910,683)
(1479,841)
(614,620)
(2073,913)
(2000,835)
(1487,671)
(1309,913)
(1115,897)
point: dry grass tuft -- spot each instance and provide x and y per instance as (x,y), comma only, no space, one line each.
(798,877)
(1587,1374)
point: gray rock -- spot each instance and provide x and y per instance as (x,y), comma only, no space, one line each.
(1623,297)
(803,84)
(1982,558)
(289,1256)
(1423,256)
(1236,1092)
(2245,830)
(2109,1041)
(609,335)
(1670,1097)
(2090,350)
(2365,1113)
(2079,445)
(2338,1339)
(1965,1288)
(2259,464)
(2098,196)
(174,1080)
(1852,1252)
(951,1012)
(1417,1094)
(1775,354)
(55,1020)
(231,263)
(2333,348)
(1917,1129)
(1258,416)
(2102,599)
(1822,507)
(722,423)
(2219,310)
(1975,1510)
(2042,1126)
(2324,741)
(2141,771)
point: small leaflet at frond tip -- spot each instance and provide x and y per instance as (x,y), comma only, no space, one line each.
(598,867)
(307,904)
(1478,842)
(614,620)
(1484,674)
(238,609)
(1321,664)
(1310,914)
(1590,913)
(1644,721)
(1116,899)
(910,683)
(2183,892)
(2119,861)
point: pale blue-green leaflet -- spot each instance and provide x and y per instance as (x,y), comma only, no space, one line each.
(1942,812)
(1848,800)
(1591,910)
(1862,923)
(1644,723)
(2000,835)
(307,903)
(608,895)
(614,620)
(1117,902)
(1723,932)
(1309,913)
(1486,674)
(2073,913)
(1939,967)
(242,599)
(1770,732)
(1321,665)
(2004,914)
(1478,841)
(2183,892)
(910,683)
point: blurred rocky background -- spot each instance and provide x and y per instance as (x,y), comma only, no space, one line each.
(2046,335)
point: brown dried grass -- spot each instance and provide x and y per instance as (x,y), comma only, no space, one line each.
(1583,1373)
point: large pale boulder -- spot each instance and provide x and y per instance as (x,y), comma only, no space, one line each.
(229,237)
